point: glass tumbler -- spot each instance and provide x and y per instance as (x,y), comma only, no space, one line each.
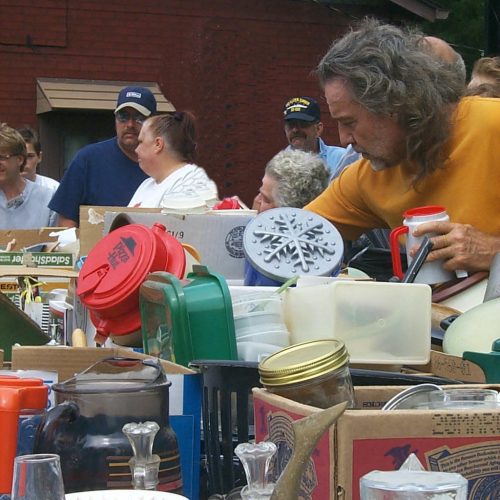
(37,477)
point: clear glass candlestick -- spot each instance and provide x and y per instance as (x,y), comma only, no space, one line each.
(256,458)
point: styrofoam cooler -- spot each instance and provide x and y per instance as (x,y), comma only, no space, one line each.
(380,323)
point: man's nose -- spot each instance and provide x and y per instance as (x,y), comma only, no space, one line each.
(345,136)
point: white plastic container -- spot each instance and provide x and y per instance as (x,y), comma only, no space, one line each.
(380,323)
(255,351)
(258,312)
(275,337)
(417,485)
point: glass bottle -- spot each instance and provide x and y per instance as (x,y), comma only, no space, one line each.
(144,466)
(256,458)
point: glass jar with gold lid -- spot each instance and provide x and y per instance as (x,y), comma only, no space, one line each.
(314,373)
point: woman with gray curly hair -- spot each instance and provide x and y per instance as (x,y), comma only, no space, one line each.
(292,179)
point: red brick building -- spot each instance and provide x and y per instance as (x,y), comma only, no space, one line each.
(232,62)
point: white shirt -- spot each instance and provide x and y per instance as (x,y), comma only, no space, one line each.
(189,179)
(43,180)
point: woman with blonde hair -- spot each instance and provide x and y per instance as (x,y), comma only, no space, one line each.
(166,153)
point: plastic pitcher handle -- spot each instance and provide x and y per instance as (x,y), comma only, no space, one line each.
(90,281)
(397,268)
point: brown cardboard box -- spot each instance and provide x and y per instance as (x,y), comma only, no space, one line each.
(68,361)
(217,236)
(27,237)
(463,441)
(220,247)
(92,223)
(453,367)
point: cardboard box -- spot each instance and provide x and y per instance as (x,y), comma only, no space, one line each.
(52,278)
(68,361)
(453,367)
(217,237)
(185,395)
(26,237)
(366,439)
(92,223)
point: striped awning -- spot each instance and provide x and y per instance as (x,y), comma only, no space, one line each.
(65,94)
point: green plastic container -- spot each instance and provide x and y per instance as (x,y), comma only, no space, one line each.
(188,319)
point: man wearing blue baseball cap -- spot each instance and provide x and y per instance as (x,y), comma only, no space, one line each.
(107,173)
(303,129)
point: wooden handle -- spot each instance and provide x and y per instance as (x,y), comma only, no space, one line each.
(78,338)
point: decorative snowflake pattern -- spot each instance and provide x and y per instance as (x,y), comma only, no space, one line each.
(292,241)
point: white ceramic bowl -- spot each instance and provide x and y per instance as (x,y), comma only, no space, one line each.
(124,495)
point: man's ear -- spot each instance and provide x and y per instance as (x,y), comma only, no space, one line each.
(319,128)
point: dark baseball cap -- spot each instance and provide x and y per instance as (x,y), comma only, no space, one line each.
(302,108)
(139,98)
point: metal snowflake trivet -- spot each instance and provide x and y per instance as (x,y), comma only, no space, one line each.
(284,242)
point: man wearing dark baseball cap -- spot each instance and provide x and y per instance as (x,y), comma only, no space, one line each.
(107,172)
(139,98)
(303,128)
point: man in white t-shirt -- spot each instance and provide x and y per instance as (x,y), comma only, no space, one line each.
(34,159)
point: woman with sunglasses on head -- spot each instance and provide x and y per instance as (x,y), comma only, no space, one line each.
(166,153)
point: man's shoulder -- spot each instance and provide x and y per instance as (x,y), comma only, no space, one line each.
(338,150)
(98,147)
(478,105)
(43,180)
(38,192)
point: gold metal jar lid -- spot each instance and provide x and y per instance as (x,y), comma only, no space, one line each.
(303,361)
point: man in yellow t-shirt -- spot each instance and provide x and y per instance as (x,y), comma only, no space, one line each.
(398,106)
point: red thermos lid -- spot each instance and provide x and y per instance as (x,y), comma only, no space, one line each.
(115,268)
(118,264)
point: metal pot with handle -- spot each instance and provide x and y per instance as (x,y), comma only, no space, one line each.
(85,427)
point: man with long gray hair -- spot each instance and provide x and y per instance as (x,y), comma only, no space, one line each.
(400,108)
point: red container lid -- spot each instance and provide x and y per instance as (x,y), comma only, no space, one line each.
(425,210)
(114,270)
(118,264)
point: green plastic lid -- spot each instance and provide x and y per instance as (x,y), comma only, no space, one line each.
(196,312)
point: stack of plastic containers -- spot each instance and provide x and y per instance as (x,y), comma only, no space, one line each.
(259,324)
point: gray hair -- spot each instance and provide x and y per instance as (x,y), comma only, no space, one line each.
(391,73)
(301,176)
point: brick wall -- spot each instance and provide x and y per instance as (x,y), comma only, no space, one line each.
(232,62)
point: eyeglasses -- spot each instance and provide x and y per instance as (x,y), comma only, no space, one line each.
(298,124)
(5,157)
(124,116)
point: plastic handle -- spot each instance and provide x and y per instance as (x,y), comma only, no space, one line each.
(53,423)
(91,281)
(397,267)
(9,420)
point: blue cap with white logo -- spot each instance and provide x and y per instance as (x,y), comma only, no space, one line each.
(139,98)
